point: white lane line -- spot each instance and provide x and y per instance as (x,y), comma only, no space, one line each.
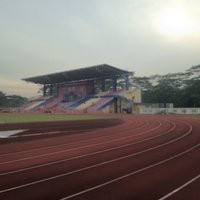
(53,146)
(89,154)
(73,149)
(180,188)
(89,167)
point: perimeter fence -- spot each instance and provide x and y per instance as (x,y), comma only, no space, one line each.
(184,111)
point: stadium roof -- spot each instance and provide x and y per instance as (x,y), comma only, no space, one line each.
(87,73)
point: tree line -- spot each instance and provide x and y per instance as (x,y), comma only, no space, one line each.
(11,101)
(187,95)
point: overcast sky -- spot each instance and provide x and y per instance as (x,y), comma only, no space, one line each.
(45,36)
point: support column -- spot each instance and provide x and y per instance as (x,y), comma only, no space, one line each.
(127,82)
(114,84)
(44,90)
(93,87)
(115,105)
(103,85)
(57,89)
(51,89)
(120,105)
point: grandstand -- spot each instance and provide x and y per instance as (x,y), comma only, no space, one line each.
(91,89)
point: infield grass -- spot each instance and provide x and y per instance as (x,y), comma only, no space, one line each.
(17,118)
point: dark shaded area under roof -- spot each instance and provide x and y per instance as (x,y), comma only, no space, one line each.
(88,73)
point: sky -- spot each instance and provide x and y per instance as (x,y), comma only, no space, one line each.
(45,36)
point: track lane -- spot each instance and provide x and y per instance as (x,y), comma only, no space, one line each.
(46,156)
(49,142)
(147,183)
(78,143)
(106,155)
(97,152)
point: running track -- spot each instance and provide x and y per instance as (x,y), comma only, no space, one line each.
(129,158)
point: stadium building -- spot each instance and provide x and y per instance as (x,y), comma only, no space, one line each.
(100,88)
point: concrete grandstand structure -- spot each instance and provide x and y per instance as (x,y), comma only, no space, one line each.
(100,88)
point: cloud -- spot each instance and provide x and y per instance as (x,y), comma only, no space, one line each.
(18,87)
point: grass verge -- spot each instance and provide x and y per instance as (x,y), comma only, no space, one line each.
(17,118)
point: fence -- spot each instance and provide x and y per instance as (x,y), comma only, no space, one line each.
(186,111)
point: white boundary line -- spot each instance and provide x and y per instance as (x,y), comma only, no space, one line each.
(180,188)
(103,163)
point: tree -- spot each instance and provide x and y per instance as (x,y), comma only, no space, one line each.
(192,94)
(2,99)
(11,101)
(164,92)
(15,101)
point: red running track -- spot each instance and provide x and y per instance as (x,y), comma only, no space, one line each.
(145,157)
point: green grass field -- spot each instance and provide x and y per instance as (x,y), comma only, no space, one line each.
(17,118)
